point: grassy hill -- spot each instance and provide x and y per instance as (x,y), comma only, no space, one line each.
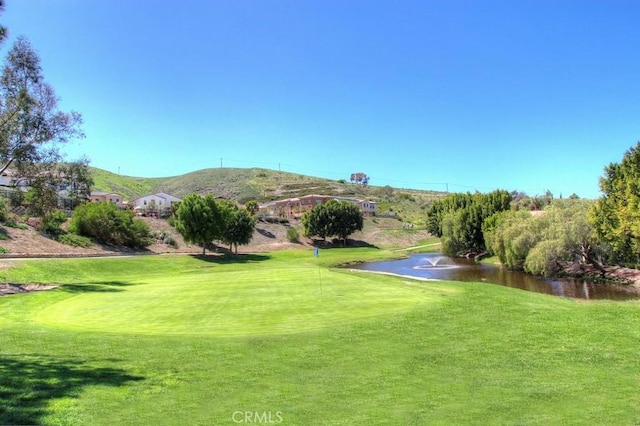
(262,185)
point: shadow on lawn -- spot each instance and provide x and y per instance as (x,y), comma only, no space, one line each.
(29,383)
(229,258)
(96,286)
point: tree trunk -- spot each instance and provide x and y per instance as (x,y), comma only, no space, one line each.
(204,247)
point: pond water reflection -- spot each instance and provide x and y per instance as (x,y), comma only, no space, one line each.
(437,266)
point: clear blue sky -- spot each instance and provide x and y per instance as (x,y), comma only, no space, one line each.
(515,94)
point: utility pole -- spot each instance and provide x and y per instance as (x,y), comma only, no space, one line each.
(220,162)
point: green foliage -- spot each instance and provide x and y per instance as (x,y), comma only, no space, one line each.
(238,227)
(198,219)
(333,218)
(51,222)
(292,235)
(540,243)
(11,223)
(165,238)
(4,250)
(203,220)
(252,207)
(458,219)
(32,126)
(74,240)
(4,209)
(106,224)
(616,215)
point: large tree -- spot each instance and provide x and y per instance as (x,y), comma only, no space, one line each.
(458,219)
(334,218)
(31,125)
(616,215)
(198,219)
(238,228)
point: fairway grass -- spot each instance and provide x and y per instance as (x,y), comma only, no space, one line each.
(185,340)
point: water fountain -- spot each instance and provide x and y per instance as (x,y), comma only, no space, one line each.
(435,263)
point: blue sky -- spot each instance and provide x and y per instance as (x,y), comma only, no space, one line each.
(522,95)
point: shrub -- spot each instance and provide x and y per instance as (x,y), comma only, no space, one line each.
(4,209)
(4,250)
(292,234)
(13,224)
(74,240)
(106,224)
(51,223)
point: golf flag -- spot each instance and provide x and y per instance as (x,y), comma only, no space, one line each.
(316,252)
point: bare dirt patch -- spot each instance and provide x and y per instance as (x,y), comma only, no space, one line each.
(7,289)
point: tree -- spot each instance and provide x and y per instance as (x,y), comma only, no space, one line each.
(315,222)
(252,207)
(458,219)
(334,218)
(238,228)
(345,219)
(616,214)
(31,126)
(76,178)
(198,220)
(360,178)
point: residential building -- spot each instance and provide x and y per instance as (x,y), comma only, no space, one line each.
(107,197)
(294,208)
(160,202)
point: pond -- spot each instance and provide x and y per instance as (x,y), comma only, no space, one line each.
(437,266)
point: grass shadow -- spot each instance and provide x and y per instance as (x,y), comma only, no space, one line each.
(229,258)
(29,383)
(95,287)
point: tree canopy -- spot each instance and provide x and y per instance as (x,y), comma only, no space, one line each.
(333,218)
(458,218)
(198,219)
(616,214)
(31,125)
(203,220)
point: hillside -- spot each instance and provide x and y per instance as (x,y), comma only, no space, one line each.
(379,232)
(242,185)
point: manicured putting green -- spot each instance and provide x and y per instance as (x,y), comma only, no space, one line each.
(231,300)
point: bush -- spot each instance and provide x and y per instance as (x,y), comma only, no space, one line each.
(10,223)
(3,250)
(106,224)
(51,223)
(74,240)
(4,209)
(165,238)
(292,234)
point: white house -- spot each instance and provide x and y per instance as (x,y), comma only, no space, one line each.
(159,202)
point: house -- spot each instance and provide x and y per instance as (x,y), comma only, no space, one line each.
(160,202)
(368,208)
(293,208)
(107,197)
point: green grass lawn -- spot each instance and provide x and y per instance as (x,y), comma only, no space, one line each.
(182,340)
